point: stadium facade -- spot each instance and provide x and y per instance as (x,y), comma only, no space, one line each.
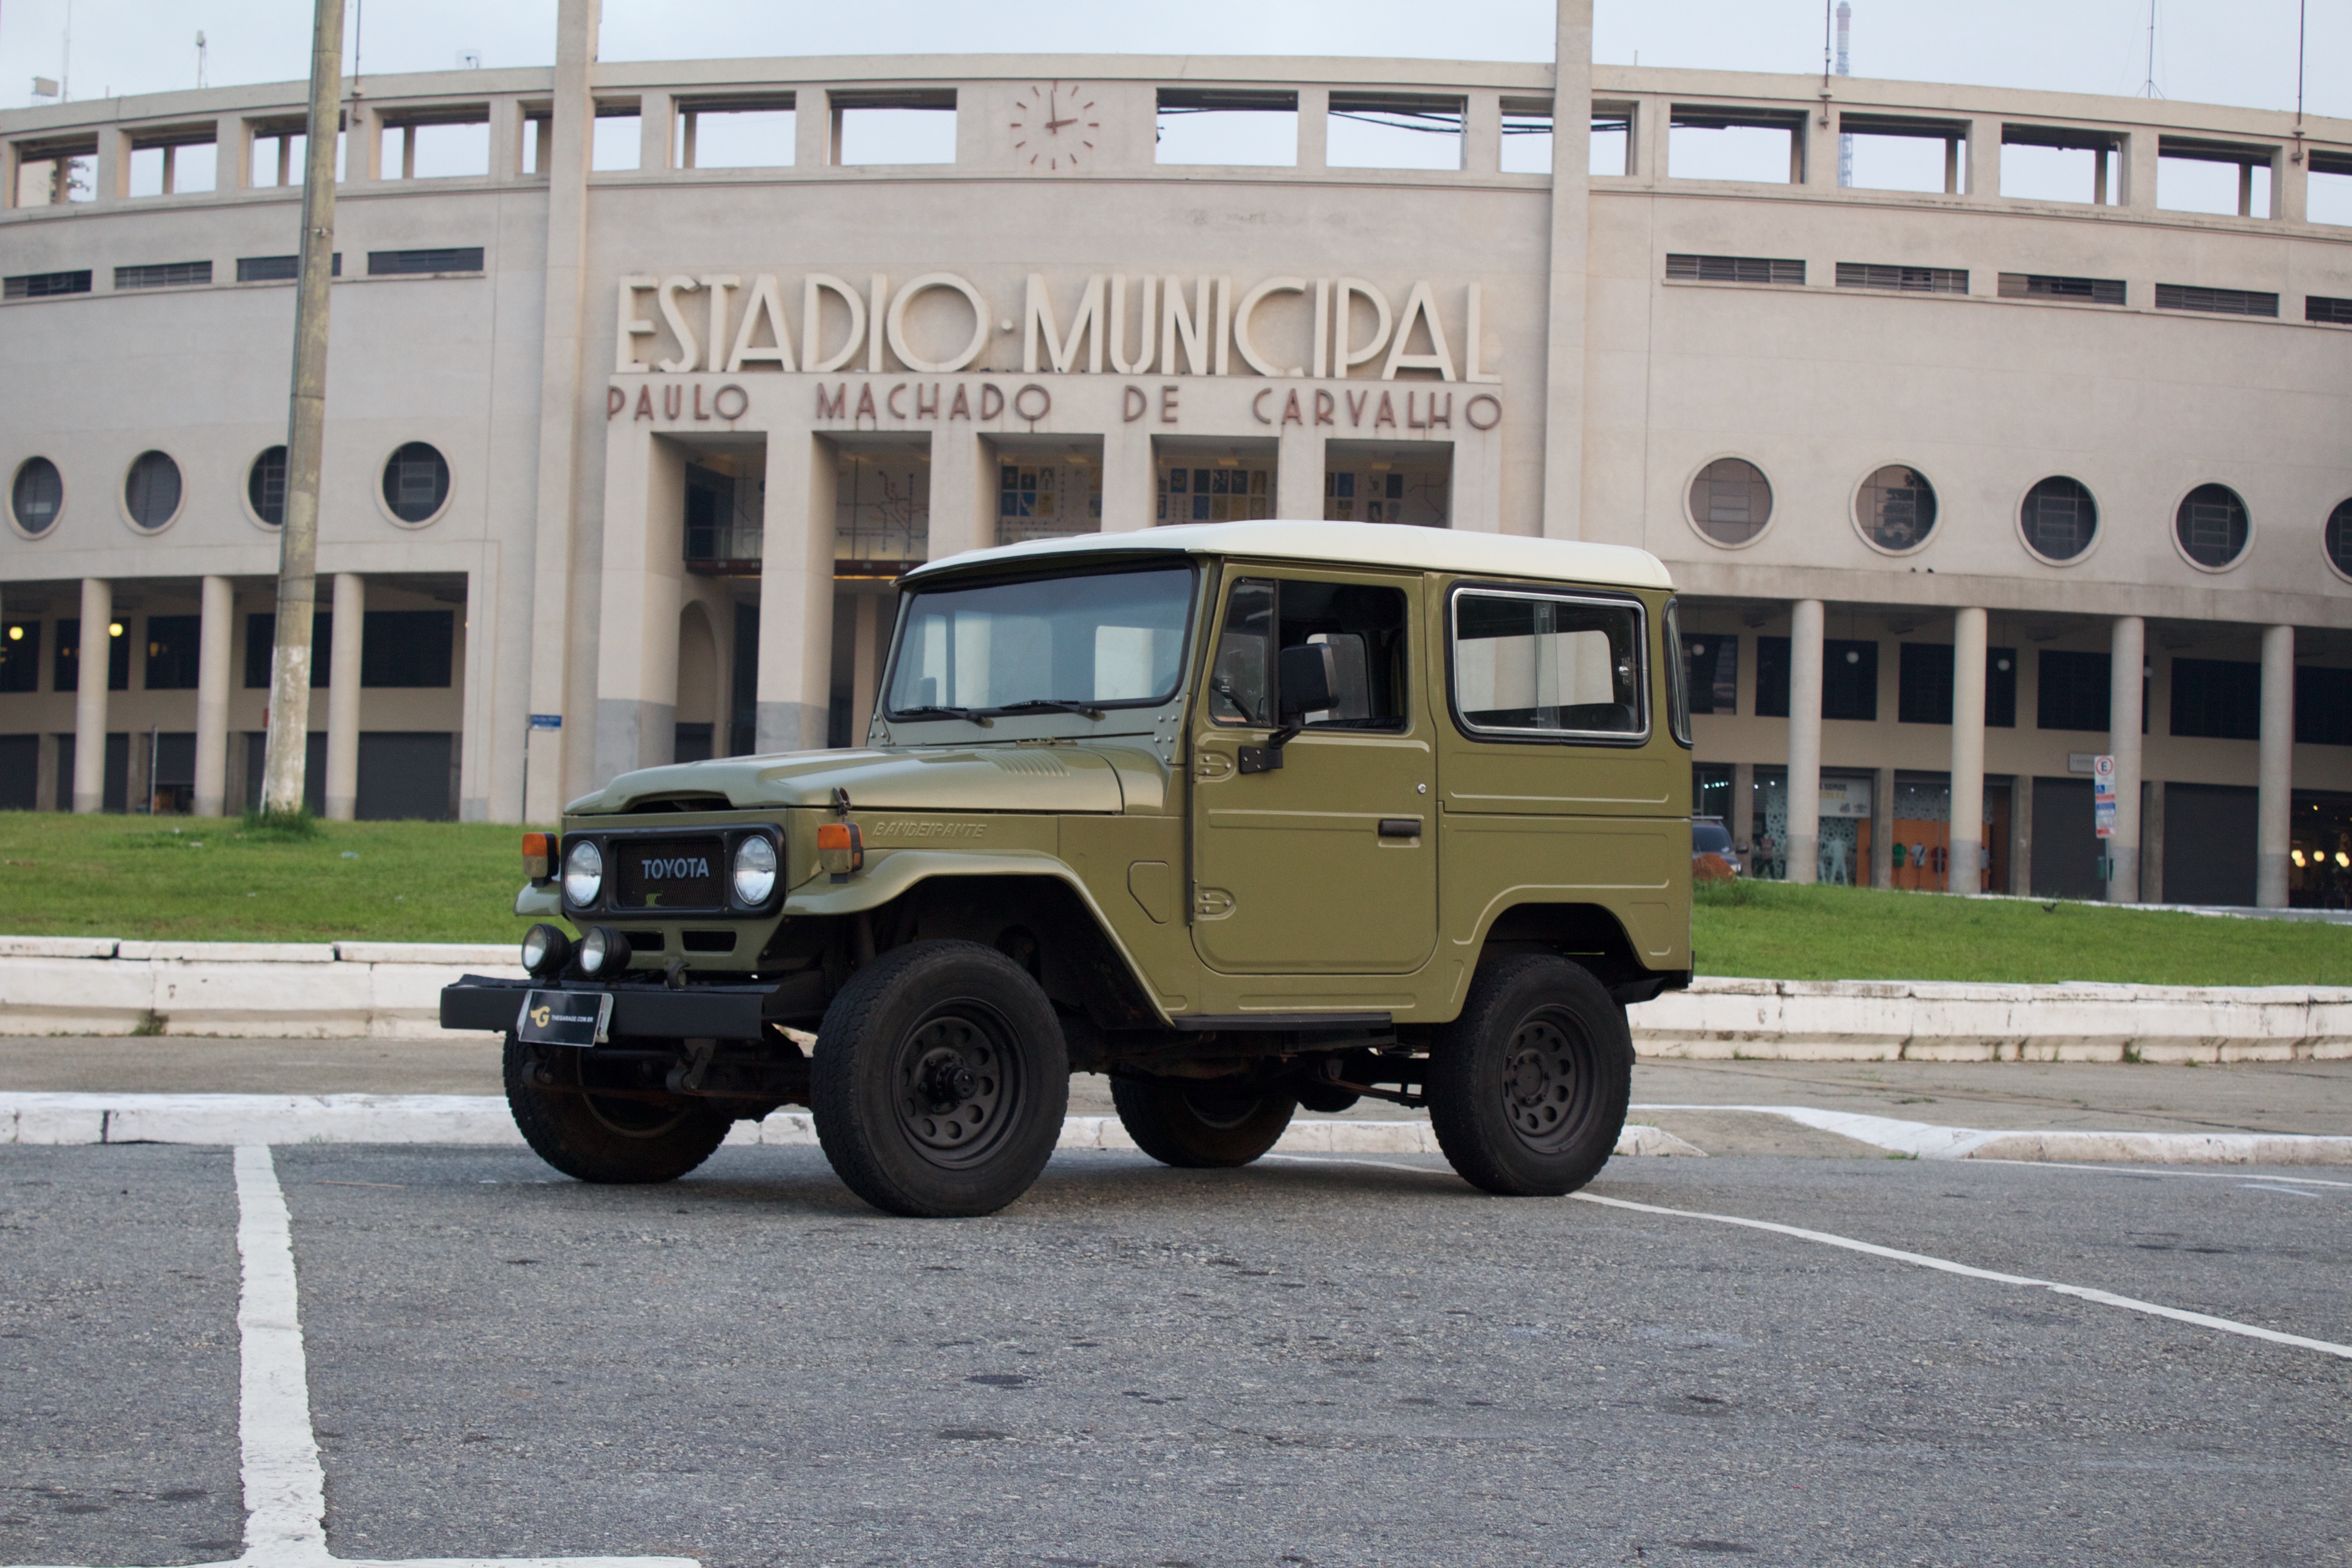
(629,429)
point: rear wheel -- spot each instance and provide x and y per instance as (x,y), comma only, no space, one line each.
(1197,1125)
(631,1133)
(940,1080)
(1527,1088)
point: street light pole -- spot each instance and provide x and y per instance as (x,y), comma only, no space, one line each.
(297,545)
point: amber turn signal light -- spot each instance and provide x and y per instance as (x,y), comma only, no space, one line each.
(840,847)
(539,856)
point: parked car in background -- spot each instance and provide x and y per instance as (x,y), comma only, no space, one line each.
(1714,857)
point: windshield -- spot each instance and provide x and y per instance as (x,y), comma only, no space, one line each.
(1099,640)
(1711,837)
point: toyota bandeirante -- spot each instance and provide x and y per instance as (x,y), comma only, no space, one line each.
(1247,816)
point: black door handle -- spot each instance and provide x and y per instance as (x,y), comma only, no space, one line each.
(1400,827)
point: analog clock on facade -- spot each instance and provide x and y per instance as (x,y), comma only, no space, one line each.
(1054,125)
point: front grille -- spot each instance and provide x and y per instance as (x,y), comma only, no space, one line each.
(685,873)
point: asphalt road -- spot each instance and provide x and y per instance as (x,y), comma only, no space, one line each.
(1302,1362)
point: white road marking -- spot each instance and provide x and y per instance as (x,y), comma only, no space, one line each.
(1943,1264)
(285,1485)
(2137,1171)
(1931,1141)
(2272,1186)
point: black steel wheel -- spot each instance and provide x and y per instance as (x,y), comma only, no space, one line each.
(1200,1125)
(940,1080)
(631,1132)
(1527,1088)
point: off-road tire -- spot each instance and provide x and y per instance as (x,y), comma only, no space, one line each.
(1196,1126)
(591,1139)
(914,1030)
(1527,1088)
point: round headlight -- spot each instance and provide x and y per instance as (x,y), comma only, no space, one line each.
(583,873)
(603,950)
(545,950)
(755,871)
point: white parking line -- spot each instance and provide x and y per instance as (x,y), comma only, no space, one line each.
(285,1485)
(1932,1140)
(1917,1260)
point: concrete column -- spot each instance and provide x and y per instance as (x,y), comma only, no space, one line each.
(2274,805)
(1298,472)
(1652,132)
(232,153)
(506,129)
(1129,492)
(2136,167)
(219,608)
(2151,841)
(1967,750)
(1314,126)
(2290,187)
(1739,819)
(1984,158)
(812,127)
(958,492)
(1571,160)
(2127,655)
(1482,132)
(1882,829)
(657,131)
(1806,620)
(110,176)
(795,689)
(556,606)
(343,698)
(89,696)
(865,665)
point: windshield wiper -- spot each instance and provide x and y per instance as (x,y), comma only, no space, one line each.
(970,715)
(1050,705)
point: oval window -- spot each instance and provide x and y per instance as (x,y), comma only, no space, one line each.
(264,487)
(2211,525)
(1731,500)
(2059,519)
(1897,509)
(37,496)
(415,482)
(2339,537)
(151,491)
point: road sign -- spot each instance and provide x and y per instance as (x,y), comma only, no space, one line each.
(547,720)
(2102,795)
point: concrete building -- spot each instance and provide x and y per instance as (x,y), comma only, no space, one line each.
(633,415)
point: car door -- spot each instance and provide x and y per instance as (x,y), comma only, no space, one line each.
(1314,846)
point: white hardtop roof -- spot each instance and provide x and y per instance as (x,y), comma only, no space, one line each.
(1350,544)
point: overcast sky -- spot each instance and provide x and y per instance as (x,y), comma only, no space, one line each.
(2219,51)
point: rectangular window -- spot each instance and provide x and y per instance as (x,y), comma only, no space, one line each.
(758,133)
(1923,689)
(915,125)
(616,145)
(2062,163)
(164,275)
(881,511)
(1393,130)
(2036,286)
(20,657)
(417,263)
(1771,677)
(279,268)
(1903,280)
(2216,302)
(1902,152)
(1849,680)
(407,647)
(1736,269)
(1220,494)
(2231,179)
(1042,643)
(1703,142)
(66,674)
(1349,638)
(2320,307)
(1711,665)
(2323,706)
(171,647)
(45,285)
(1235,128)
(1526,138)
(2072,693)
(261,639)
(1543,665)
(2000,688)
(2218,699)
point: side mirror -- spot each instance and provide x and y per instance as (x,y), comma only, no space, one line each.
(1307,680)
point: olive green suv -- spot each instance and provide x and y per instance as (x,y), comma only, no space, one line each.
(1247,817)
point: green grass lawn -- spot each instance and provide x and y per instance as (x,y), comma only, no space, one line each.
(186,879)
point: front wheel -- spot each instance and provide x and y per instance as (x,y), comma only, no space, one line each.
(1527,1088)
(1200,1126)
(940,1080)
(631,1132)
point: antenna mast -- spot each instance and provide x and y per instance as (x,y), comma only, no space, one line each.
(2148,88)
(1844,67)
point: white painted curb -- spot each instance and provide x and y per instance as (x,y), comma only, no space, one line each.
(483,1119)
(1928,1140)
(98,985)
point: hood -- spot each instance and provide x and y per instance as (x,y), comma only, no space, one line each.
(948,779)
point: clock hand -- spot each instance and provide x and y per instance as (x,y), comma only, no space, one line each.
(1057,124)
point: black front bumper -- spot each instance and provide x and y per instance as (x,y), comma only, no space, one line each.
(653,1012)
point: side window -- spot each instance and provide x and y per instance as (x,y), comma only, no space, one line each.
(1339,646)
(1678,707)
(1546,666)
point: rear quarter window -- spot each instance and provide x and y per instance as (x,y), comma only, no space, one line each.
(1529,665)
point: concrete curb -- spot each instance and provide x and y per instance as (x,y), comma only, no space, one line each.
(1928,1140)
(100,985)
(482,1118)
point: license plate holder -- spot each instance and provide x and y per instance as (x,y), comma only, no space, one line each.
(579,1019)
